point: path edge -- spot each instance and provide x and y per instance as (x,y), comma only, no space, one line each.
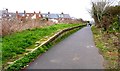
(36,51)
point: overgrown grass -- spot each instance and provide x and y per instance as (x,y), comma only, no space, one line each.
(11,26)
(20,64)
(105,43)
(14,45)
(0,53)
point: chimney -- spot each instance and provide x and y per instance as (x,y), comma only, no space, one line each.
(7,10)
(34,12)
(24,12)
(62,13)
(39,12)
(48,12)
(17,14)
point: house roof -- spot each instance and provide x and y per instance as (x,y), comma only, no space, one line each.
(21,14)
(12,14)
(54,16)
(67,16)
(3,11)
(44,15)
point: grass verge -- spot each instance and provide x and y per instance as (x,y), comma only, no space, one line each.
(0,54)
(109,50)
(21,63)
(15,45)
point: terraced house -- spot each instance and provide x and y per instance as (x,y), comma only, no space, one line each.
(61,16)
(4,13)
(54,17)
(27,16)
(23,16)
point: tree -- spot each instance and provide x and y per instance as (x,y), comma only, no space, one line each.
(114,13)
(99,8)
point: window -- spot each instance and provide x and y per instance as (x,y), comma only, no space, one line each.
(27,14)
(43,15)
(62,16)
(23,14)
(10,15)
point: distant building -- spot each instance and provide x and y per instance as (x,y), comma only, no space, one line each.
(50,15)
(56,16)
(64,16)
(23,16)
(4,13)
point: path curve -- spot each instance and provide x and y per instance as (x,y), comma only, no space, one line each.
(77,51)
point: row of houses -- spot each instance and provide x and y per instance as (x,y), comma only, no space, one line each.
(25,15)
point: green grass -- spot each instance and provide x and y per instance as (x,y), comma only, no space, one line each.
(16,44)
(105,44)
(0,53)
(20,64)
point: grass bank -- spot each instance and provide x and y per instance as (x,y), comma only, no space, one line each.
(21,63)
(107,46)
(18,44)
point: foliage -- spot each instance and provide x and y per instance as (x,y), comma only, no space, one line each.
(13,25)
(107,48)
(115,26)
(31,56)
(115,11)
(16,43)
(104,15)
(99,7)
(110,20)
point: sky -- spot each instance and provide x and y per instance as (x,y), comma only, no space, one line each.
(76,8)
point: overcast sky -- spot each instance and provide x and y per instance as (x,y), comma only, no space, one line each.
(76,8)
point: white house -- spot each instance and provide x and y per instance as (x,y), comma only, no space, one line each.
(4,13)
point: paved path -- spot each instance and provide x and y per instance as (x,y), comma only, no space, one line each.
(78,51)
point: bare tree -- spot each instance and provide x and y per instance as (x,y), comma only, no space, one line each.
(99,8)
